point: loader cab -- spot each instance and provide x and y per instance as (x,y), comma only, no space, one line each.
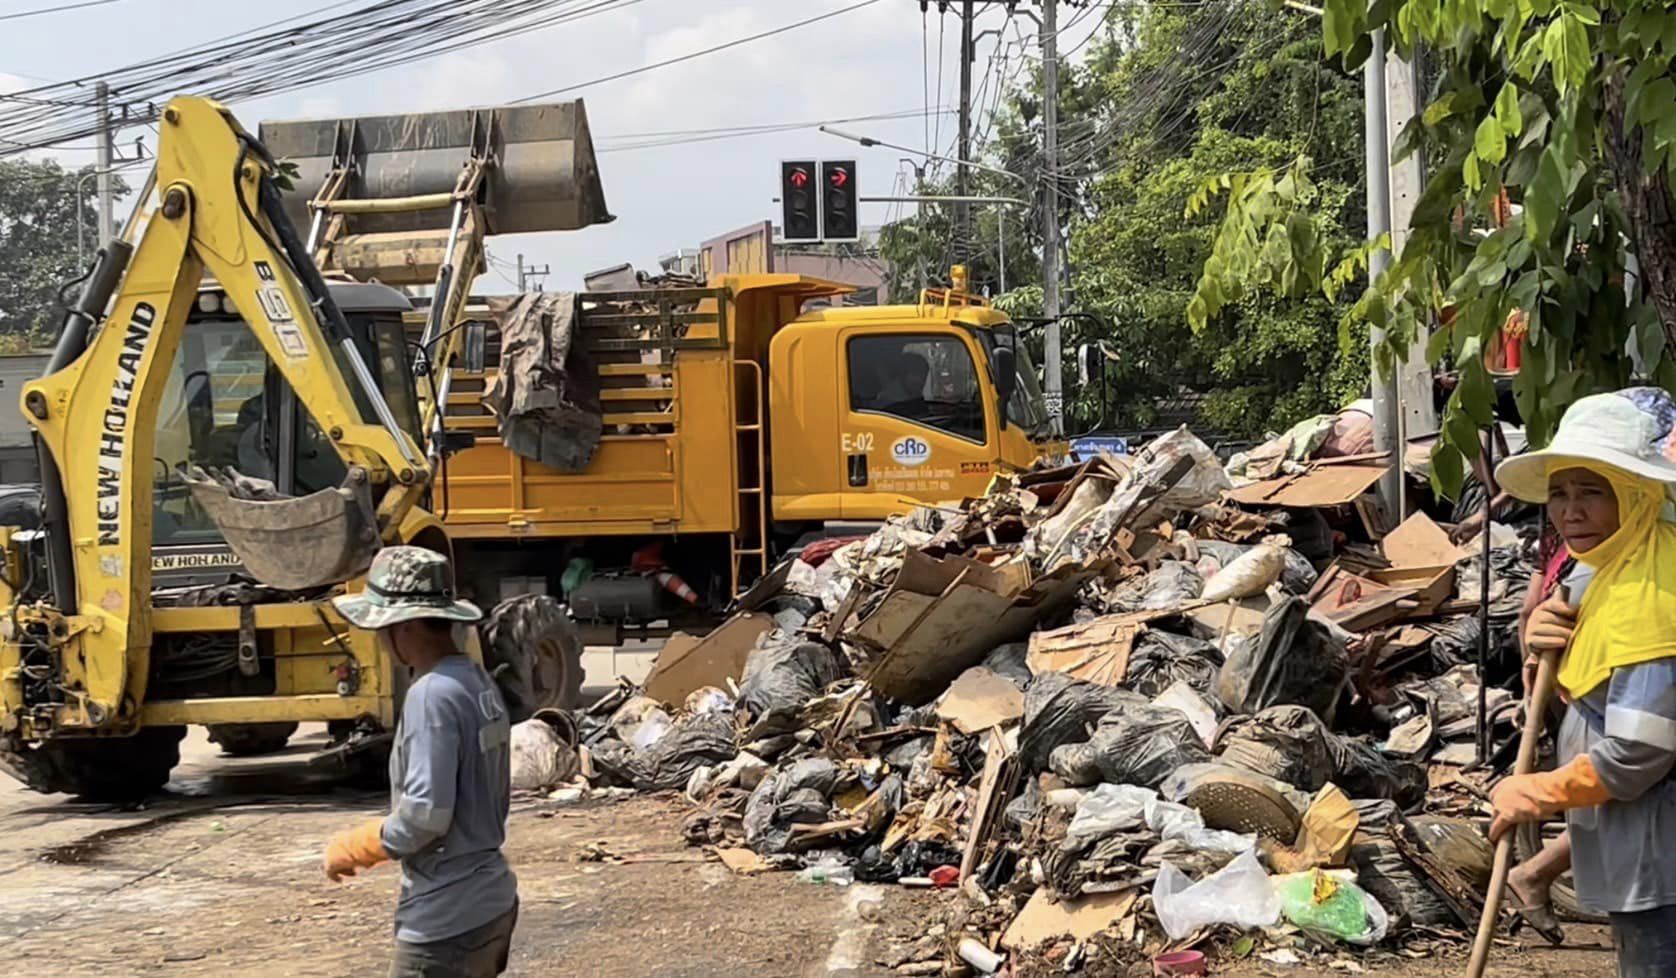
(925,404)
(226,405)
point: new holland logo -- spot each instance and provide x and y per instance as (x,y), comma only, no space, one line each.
(910,451)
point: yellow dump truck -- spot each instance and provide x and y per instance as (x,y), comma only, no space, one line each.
(737,426)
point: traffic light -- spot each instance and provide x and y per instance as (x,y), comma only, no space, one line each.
(799,219)
(838,200)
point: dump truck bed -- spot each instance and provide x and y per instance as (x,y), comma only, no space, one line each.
(668,458)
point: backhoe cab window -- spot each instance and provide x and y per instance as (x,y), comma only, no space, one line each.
(224,405)
(929,380)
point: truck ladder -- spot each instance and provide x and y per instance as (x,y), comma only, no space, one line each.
(750,541)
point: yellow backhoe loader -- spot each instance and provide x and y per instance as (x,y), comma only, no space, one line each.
(217,412)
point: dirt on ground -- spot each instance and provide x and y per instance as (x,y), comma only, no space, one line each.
(202,886)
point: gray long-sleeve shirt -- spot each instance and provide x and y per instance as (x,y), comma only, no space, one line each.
(450,788)
(1621,852)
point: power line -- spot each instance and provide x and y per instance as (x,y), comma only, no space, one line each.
(53,10)
(299,52)
(698,54)
(684,137)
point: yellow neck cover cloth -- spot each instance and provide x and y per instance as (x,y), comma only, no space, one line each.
(1628,613)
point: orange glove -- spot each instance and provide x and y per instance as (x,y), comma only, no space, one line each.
(359,848)
(1523,798)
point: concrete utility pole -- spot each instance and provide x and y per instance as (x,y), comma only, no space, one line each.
(107,193)
(962,211)
(525,274)
(1402,400)
(1052,378)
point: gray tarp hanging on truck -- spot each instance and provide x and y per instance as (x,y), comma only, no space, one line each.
(547,392)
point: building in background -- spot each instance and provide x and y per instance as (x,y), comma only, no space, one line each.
(17,446)
(753,248)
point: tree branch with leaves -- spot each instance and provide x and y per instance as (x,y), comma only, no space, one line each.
(1564,110)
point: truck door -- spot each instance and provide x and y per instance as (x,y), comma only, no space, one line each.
(915,423)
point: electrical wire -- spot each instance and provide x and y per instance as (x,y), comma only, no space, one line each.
(688,137)
(699,54)
(59,9)
(330,44)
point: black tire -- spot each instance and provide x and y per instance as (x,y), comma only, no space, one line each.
(251,739)
(117,769)
(534,651)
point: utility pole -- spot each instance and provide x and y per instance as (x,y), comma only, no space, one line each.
(107,194)
(527,273)
(1051,367)
(1402,399)
(963,212)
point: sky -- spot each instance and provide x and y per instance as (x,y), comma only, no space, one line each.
(880,59)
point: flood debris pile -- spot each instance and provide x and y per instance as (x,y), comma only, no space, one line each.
(1126,708)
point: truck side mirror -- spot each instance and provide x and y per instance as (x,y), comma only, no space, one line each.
(1091,364)
(474,348)
(1005,362)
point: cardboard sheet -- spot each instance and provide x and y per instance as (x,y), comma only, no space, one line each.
(1097,652)
(687,663)
(981,699)
(1322,485)
(1043,920)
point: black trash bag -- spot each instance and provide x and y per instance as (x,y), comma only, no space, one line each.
(782,674)
(1296,660)
(1025,807)
(1173,584)
(1288,743)
(901,757)
(1382,870)
(795,794)
(692,743)
(1059,710)
(1297,578)
(1365,771)
(791,611)
(913,859)
(1161,659)
(1140,745)
(1008,660)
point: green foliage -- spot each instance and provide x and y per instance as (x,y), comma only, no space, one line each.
(1256,103)
(1569,109)
(38,219)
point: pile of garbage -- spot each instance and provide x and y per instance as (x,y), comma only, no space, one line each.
(1123,707)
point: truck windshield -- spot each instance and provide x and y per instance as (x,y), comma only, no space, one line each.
(1027,409)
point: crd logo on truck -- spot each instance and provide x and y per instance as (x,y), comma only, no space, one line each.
(910,451)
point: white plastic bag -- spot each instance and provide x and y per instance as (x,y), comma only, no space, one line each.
(1111,808)
(540,757)
(1240,894)
(1250,573)
(1117,807)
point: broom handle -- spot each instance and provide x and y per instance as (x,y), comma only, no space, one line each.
(1541,695)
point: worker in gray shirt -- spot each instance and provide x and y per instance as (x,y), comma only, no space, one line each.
(450,779)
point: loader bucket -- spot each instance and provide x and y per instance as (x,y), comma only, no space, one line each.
(544,176)
(294,544)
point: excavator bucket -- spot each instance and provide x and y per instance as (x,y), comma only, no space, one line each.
(543,175)
(297,543)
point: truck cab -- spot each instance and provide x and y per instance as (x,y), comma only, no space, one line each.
(879,408)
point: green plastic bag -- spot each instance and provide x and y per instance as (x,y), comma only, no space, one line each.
(1323,904)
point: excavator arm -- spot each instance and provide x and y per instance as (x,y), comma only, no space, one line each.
(79,662)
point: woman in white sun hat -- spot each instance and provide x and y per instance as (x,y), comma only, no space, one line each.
(1607,479)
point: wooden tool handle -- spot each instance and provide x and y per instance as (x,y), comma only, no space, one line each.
(1541,695)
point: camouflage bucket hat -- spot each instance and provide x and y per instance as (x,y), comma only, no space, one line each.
(404,584)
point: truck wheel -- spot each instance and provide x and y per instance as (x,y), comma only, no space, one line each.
(251,739)
(104,769)
(534,651)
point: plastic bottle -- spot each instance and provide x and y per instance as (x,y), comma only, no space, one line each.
(829,875)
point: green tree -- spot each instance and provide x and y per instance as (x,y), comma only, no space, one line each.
(38,242)
(1219,88)
(1565,109)
(1162,97)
